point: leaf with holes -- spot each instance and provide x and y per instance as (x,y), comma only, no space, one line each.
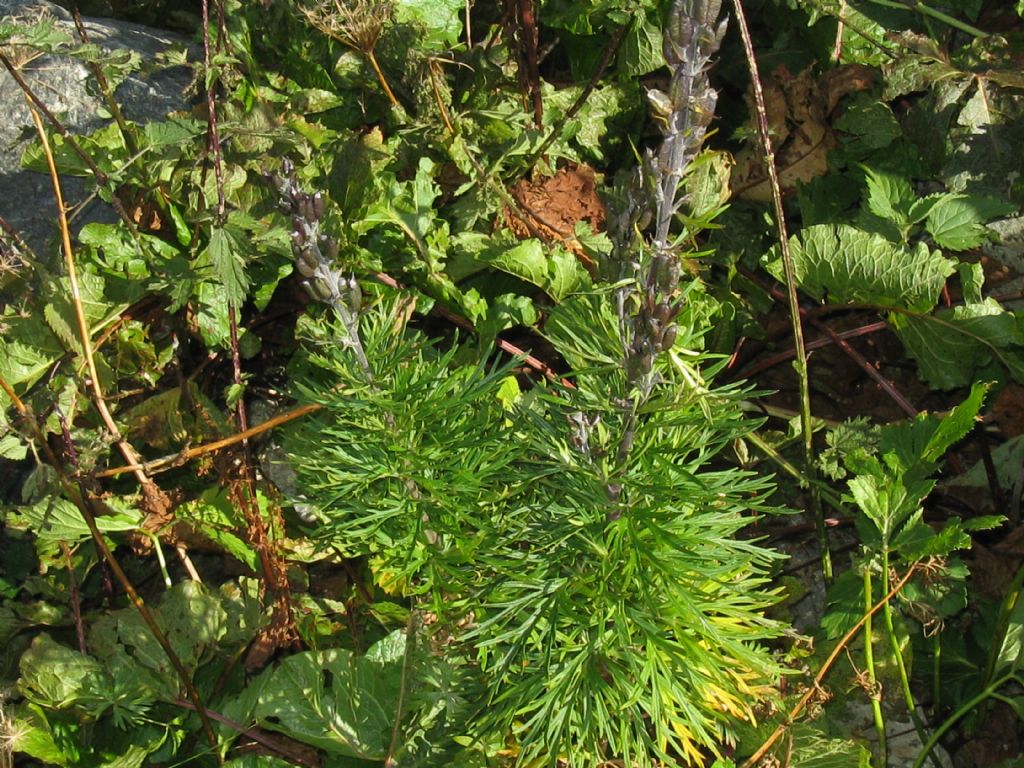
(334,700)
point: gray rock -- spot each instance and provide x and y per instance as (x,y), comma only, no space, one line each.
(65,86)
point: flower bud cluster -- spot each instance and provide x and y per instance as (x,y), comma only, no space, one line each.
(316,253)
(650,274)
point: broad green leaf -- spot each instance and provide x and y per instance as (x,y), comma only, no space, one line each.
(923,441)
(440,21)
(641,53)
(333,700)
(54,520)
(972,278)
(174,130)
(218,519)
(35,737)
(1011,650)
(22,363)
(951,347)
(870,126)
(955,425)
(556,271)
(193,620)
(842,263)
(955,224)
(56,676)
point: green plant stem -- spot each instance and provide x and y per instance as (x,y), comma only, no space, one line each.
(874,690)
(800,359)
(929,12)
(911,702)
(793,471)
(813,690)
(901,667)
(989,691)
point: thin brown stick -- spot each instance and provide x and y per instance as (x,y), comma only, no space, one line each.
(800,359)
(823,671)
(84,335)
(75,598)
(274,745)
(183,457)
(104,85)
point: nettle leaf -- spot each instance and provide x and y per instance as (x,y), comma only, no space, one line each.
(869,124)
(223,251)
(890,195)
(439,20)
(952,346)
(334,700)
(640,53)
(175,130)
(846,264)
(956,221)
(927,437)
(955,224)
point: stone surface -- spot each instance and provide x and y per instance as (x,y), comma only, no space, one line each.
(65,85)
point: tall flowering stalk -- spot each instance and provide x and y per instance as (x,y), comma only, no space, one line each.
(648,269)
(316,255)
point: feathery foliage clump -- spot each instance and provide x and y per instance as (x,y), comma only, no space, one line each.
(578,538)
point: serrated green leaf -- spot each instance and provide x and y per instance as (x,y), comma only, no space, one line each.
(890,195)
(870,124)
(35,737)
(955,425)
(955,224)
(439,21)
(844,263)
(224,254)
(920,209)
(56,676)
(556,271)
(174,130)
(640,53)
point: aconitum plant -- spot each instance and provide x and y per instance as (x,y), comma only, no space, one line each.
(577,540)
